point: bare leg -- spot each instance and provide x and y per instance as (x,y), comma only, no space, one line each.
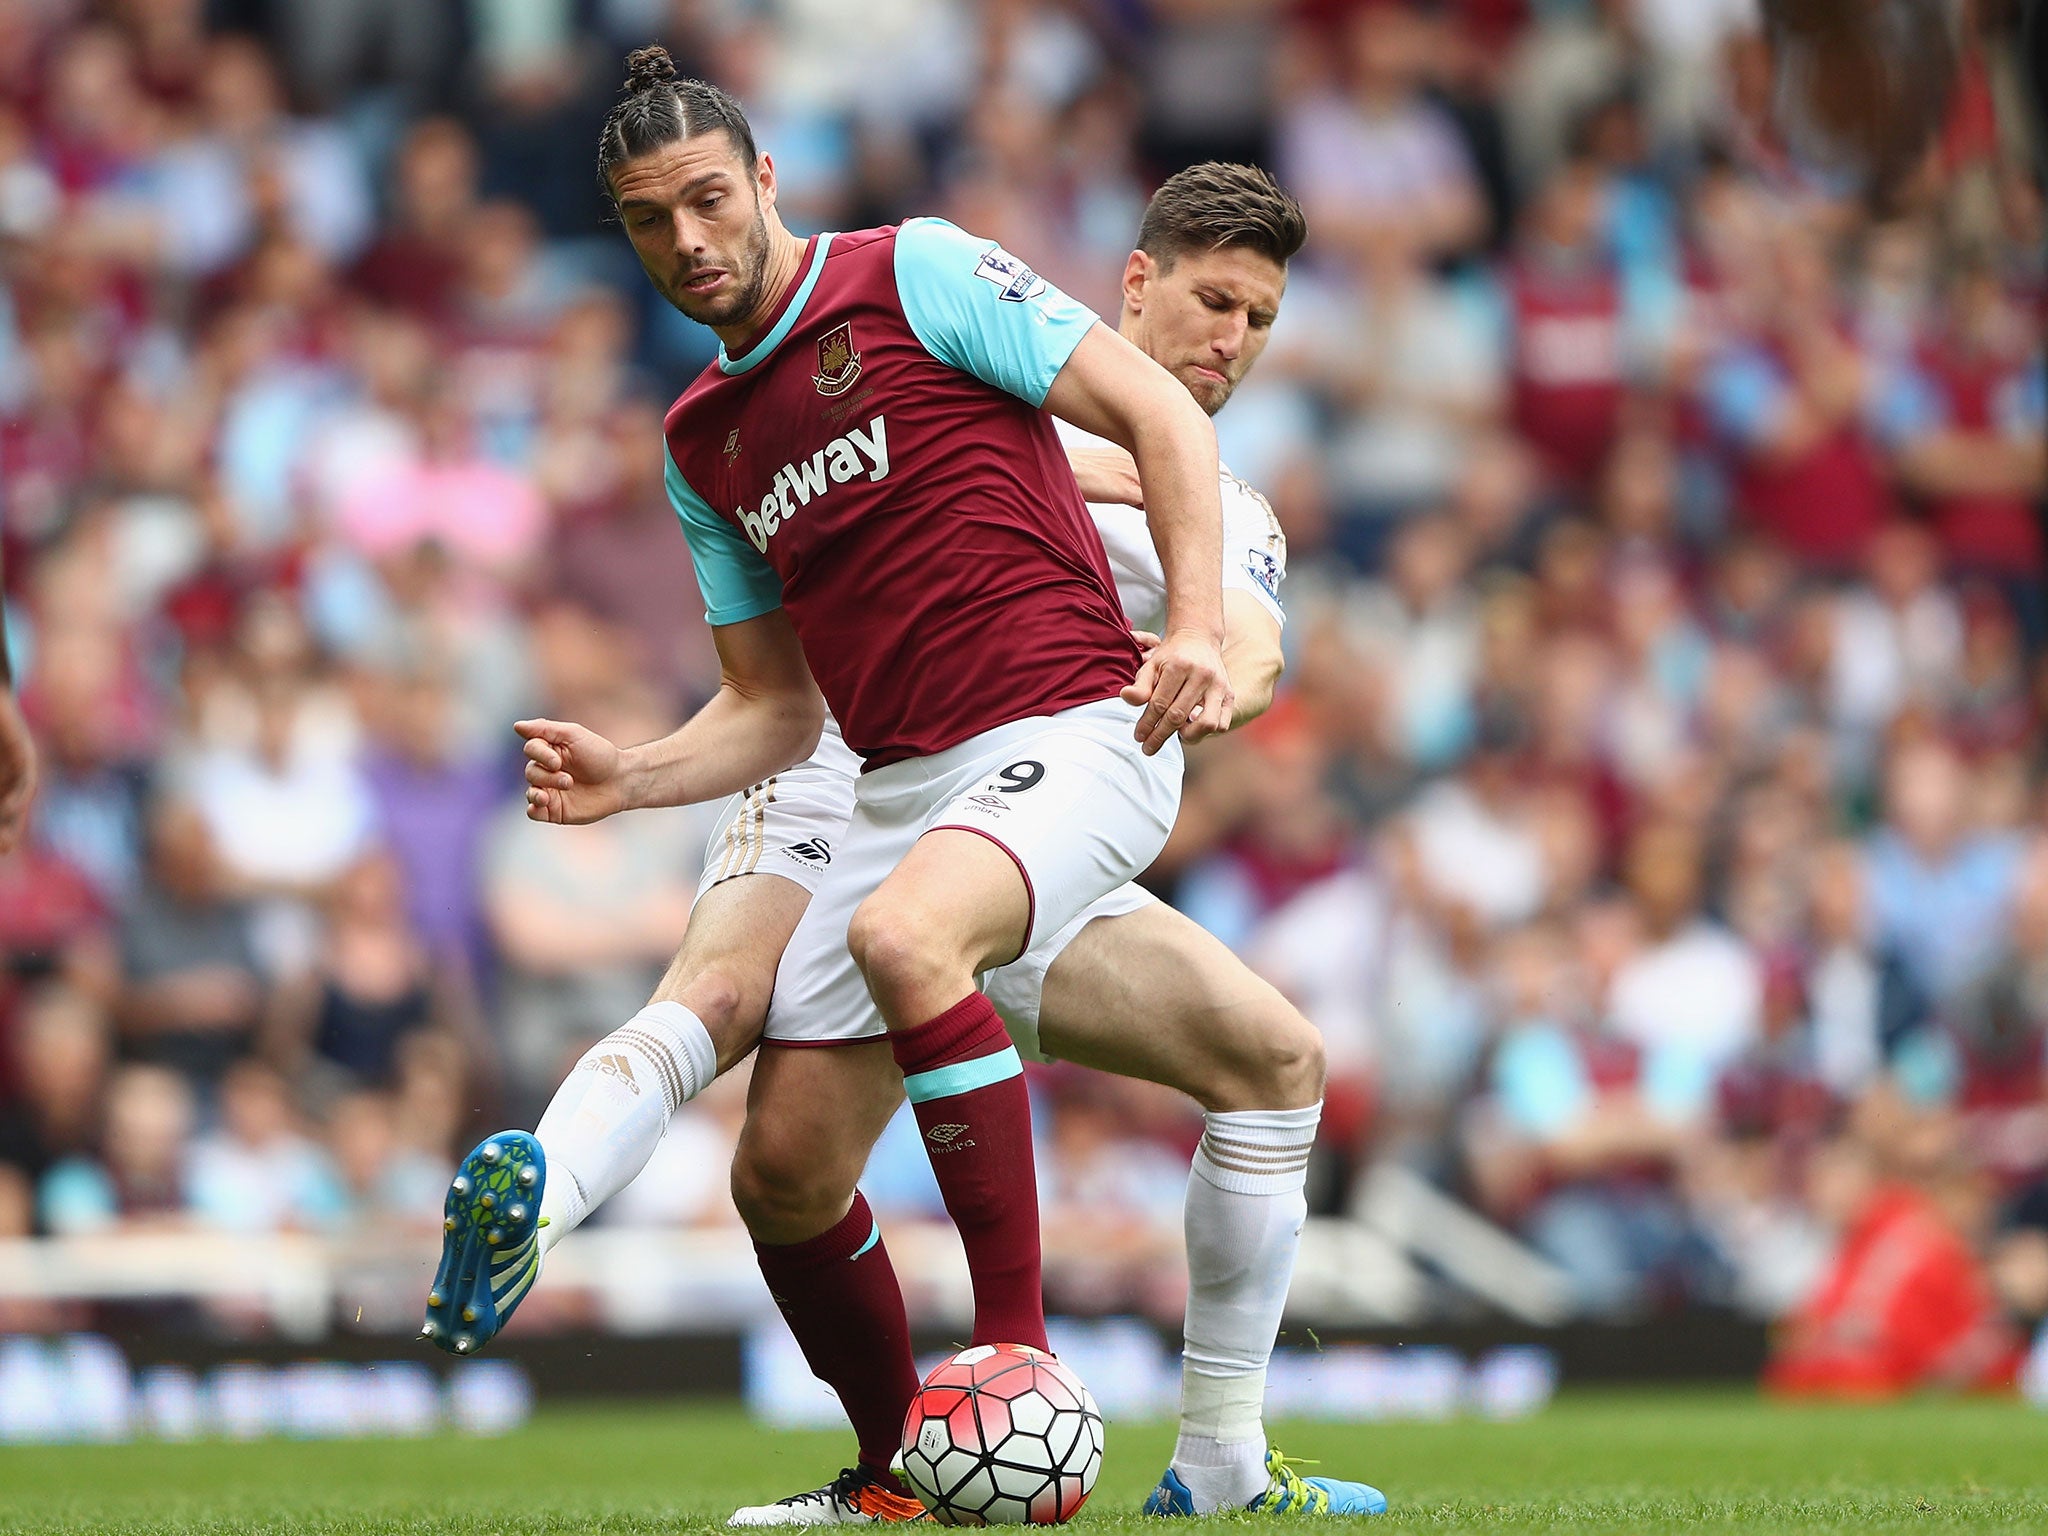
(1152,995)
(953,908)
(814,1114)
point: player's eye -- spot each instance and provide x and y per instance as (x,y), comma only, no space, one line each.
(712,201)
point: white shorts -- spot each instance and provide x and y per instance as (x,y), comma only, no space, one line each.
(790,825)
(1071,797)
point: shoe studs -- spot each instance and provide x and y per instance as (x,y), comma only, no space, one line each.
(491,1152)
(461,1184)
(469,1314)
(464,1343)
(528,1176)
(487,1200)
(515,1213)
(447,1223)
(494,1237)
(434,1298)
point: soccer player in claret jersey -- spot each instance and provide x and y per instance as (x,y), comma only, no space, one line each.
(874,498)
(1128,984)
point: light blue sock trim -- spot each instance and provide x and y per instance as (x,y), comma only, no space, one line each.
(963,1076)
(874,1237)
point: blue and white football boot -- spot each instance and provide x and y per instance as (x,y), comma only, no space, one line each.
(490,1248)
(1287,1493)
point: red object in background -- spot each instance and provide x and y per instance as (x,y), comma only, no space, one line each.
(1567,376)
(1824,507)
(1906,1305)
(1493,24)
(1989,533)
(1969,136)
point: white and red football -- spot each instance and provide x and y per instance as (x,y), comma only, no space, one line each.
(1002,1434)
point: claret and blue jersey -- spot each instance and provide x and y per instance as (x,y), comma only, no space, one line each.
(877,462)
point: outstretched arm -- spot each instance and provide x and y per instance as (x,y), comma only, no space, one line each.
(766,715)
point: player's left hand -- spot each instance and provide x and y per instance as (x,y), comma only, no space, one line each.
(1185,691)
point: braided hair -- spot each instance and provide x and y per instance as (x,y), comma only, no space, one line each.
(659,107)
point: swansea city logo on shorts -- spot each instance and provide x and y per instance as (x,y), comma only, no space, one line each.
(838,363)
(812,851)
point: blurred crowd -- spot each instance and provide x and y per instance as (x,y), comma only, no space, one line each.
(1653,821)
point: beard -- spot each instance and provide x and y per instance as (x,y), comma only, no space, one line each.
(749,273)
(1209,394)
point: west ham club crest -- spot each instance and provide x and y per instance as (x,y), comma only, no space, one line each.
(838,363)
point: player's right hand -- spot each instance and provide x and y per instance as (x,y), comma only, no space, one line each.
(573,775)
(1185,689)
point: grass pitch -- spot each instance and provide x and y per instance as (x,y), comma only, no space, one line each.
(1626,1463)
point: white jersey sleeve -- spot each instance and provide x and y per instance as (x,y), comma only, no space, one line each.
(1254,548)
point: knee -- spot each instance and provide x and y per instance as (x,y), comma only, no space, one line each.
(718,1000)
(782,1192)
(894,946)
(1297,1065)
(1279,1066)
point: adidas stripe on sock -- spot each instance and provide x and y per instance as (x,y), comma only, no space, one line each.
(606,1118)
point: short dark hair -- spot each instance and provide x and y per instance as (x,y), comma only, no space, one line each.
(1216,206)
(659,108)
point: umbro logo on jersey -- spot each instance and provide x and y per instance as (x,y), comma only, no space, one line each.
(615,1067)
(859,452)
(946,1138)
(814,851)
(732,445)
(838,363)
(1017,281)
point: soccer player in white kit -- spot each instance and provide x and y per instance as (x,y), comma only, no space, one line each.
(1129,985)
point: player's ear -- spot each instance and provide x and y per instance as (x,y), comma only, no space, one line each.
(764,180)
(1139,271)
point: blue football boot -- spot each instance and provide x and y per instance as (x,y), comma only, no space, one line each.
(490,1248)
(1287,1493)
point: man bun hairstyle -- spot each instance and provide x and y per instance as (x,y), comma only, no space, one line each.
(1215,206)
(660,107)
(647,68)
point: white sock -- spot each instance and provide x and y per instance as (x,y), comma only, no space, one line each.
(604,1121)
(1244,1214)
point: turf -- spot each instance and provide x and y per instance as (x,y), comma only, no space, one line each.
(1636,1464)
